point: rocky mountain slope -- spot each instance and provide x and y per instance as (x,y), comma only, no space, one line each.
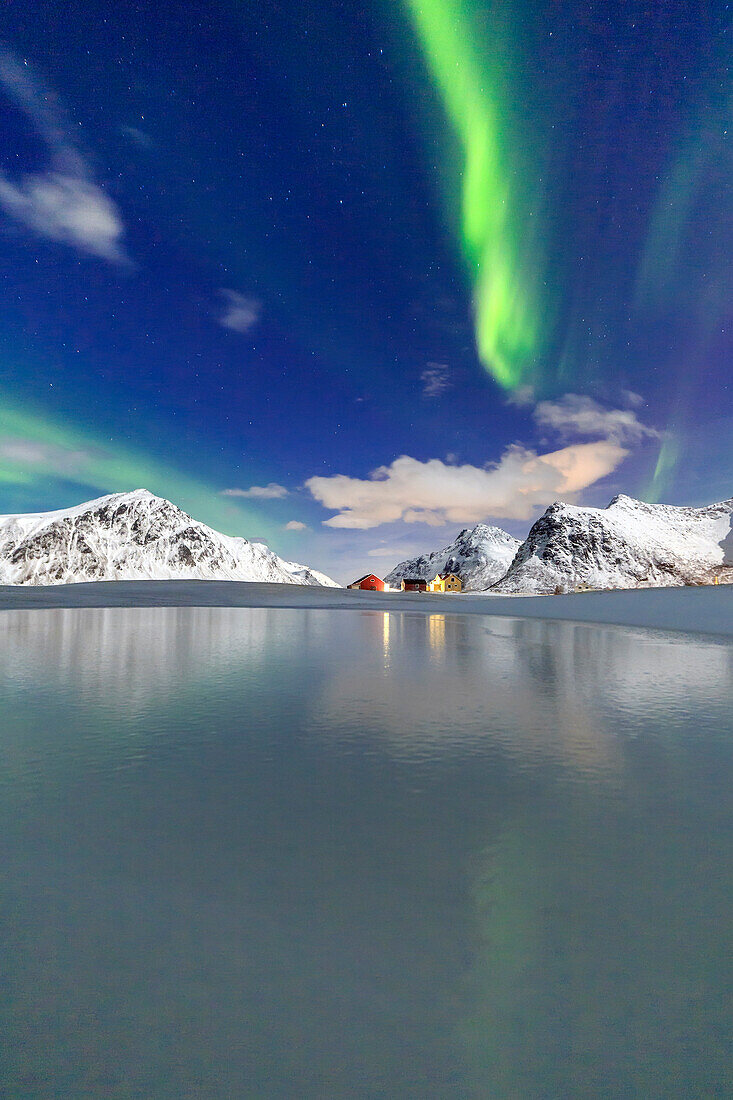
(480,556)
(303,574)
(628,544)
(133,536)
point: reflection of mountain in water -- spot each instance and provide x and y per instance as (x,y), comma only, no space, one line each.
(145,652)
(147,674)
(416,684)
(514,835)
(442,683)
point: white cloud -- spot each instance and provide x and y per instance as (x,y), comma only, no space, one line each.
(295,525)
(65,208)
(63,203)
(435,379)
(435,493)
(574,415)
(240,313)
(273,491)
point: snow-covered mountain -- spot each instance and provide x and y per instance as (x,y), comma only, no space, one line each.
(629,544)
(303,574)
(133,536)
(479,556)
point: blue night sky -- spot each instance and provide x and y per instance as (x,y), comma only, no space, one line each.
(351,277)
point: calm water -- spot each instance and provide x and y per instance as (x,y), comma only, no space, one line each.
(257,853)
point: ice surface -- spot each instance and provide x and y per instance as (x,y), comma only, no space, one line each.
(705,609)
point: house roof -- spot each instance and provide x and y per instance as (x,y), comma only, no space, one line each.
(414,580)
(365,577)
(444,576)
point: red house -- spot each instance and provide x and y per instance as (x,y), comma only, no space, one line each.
(370,583)
(414,584)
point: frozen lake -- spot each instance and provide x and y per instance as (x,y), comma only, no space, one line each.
(257,852)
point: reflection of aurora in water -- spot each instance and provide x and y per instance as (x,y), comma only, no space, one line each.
(593,981)
(412,854)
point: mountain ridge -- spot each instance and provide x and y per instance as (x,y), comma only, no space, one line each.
(133,536)
(480,555)
(627,544)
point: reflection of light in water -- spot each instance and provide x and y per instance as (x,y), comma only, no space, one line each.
(460,683)
(435,683)
(436,631)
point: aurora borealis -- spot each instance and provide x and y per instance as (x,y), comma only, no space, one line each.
(314,245)
(498,238)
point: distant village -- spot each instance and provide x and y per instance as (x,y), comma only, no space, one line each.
(441,582)
(451,582)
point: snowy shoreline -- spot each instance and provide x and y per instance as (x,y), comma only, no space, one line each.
(707,610)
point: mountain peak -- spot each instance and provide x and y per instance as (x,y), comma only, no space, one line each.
(132,536)
(480,555)
(145,494)
(628,544)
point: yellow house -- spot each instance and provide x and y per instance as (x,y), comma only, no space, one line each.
(445,582)
(451,582)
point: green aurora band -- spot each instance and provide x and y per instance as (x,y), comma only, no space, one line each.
(661,479)
(684,261)
(685,266)
(498,238)
(36,453)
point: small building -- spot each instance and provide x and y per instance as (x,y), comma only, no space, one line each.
(584,587)
(369,583)
(451,582)
(436,584)
(414,584)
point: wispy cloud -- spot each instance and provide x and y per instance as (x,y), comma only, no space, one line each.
(273,491)
(137,136)
(295,525)
(63,202)
(240,313)
(436,493)
(28,455)
(574,415)
(435,379)
(392,552)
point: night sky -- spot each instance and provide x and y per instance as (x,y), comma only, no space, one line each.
(349,277)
